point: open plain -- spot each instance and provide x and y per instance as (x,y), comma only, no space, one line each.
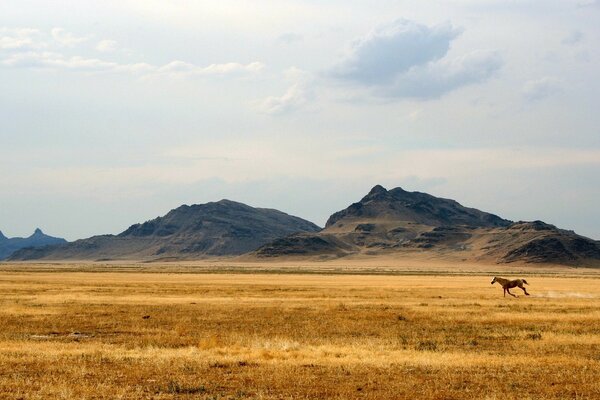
(77,331)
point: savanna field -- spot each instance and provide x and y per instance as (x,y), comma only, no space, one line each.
(67,334)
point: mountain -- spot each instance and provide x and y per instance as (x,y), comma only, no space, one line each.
(416,207)
(220,228)
(9,245)
(401,223)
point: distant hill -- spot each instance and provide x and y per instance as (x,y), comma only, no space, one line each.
(222,228)
(9,245)
(402,223)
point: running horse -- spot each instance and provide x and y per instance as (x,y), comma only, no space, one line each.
(508,284)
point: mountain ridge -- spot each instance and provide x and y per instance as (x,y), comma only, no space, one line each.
(222,228)
(37,239)
(393,222)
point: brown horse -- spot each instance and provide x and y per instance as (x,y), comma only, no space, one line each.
(508,284)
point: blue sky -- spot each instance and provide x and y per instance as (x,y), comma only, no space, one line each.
(113,113)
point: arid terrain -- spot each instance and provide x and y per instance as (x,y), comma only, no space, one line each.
(81,331)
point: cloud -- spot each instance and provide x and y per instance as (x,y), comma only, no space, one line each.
(384,53)
(536,90)
(436,79)
(19,39)
(180,69)
(57,61)
(295,97)
(410,60)
(12,43)
(65,38)
(27,51)
(298,95)
(573,38)
(290,37)
(106,46)
(51,60)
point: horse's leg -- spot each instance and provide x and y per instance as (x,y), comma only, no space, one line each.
(513,295)
(525,290)
(504,292)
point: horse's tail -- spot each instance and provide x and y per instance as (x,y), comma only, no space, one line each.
(525,282)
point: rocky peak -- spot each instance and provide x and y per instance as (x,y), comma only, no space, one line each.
(377,189)
(378,192)
(38,232)
(38,239)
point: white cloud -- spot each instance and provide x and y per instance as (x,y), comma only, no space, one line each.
(298,95)
(539,89)
(57,61)
(410,60)
(51,60)
(27,48)
(232,67)
(11,43)
(65,38)
(181,69)
(106,46)
(19,39)
(295,97)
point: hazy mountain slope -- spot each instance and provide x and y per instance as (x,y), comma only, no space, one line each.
(212,229)
(9,245)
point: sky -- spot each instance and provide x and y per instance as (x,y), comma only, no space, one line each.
(115,112)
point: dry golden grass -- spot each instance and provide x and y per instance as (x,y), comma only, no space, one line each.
(83,335)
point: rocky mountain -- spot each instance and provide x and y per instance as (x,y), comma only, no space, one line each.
(213,229)
(416,207)
(402,223)
(9,245)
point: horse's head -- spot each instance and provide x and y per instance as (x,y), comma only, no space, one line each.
(494,280)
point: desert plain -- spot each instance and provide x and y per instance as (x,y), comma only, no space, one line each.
(296,331)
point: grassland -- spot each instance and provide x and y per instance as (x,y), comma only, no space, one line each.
(87,335)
